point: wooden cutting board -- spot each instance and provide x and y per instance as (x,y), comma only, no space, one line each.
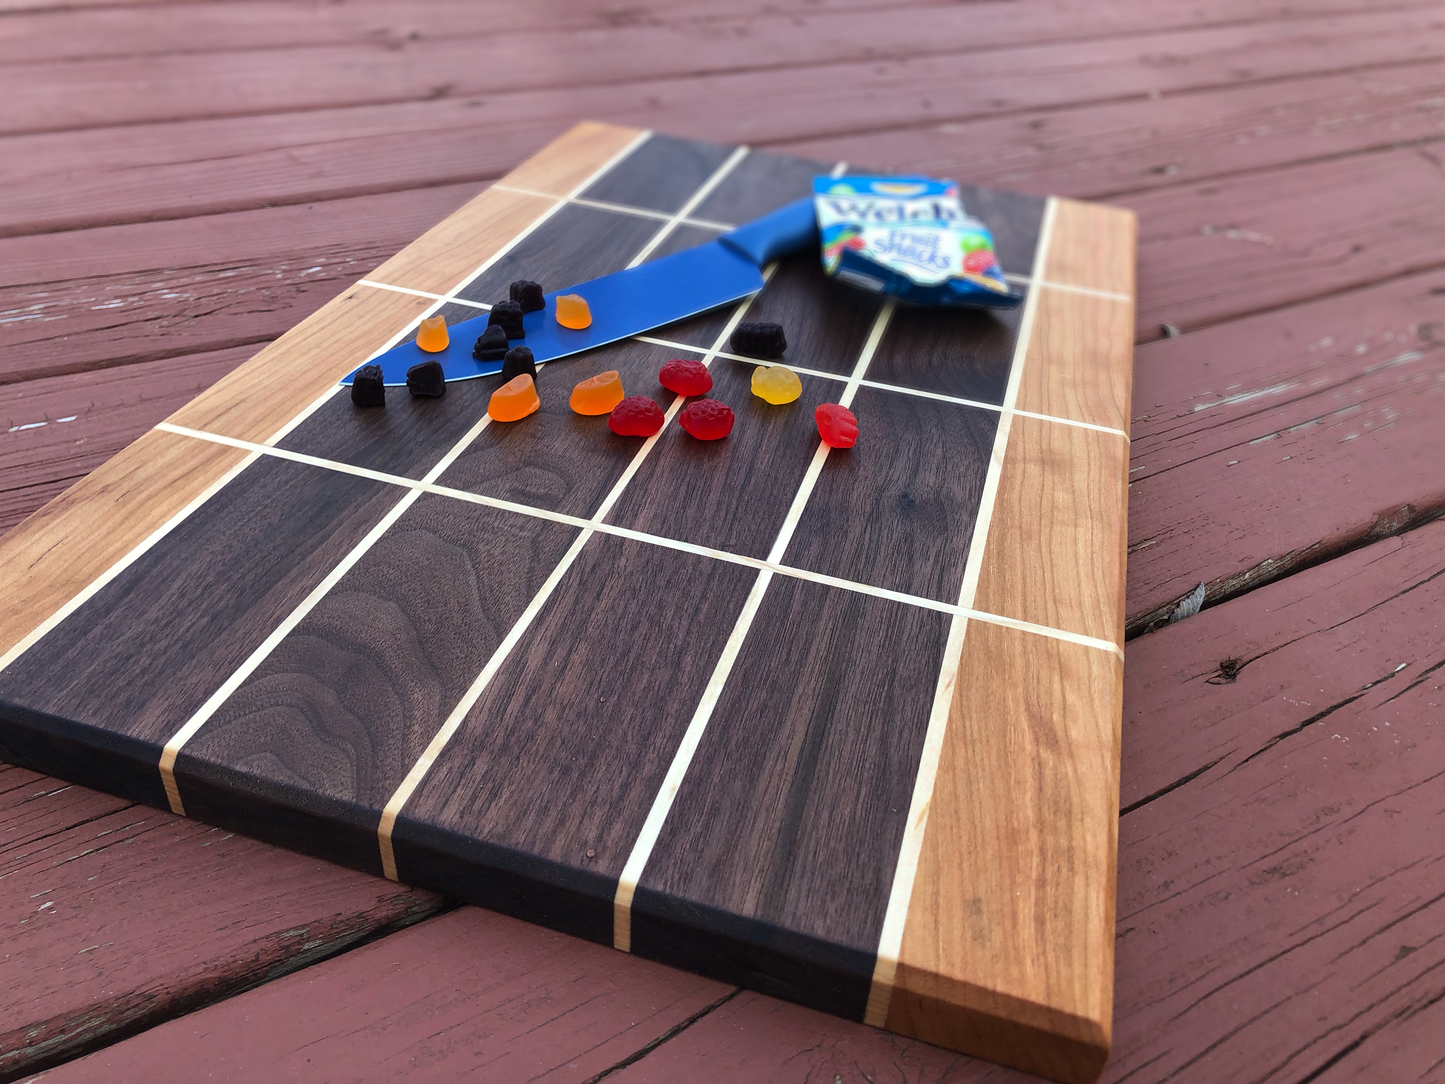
(839,726)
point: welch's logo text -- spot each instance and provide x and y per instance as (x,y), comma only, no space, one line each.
(888,211)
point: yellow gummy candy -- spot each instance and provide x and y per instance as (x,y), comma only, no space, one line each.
(432,335)
(572,311)
(776,384)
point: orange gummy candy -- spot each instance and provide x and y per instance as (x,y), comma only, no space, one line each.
(515,399)
(572,311)
(432,335)
(598,394)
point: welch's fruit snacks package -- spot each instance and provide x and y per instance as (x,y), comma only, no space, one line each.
(908,237)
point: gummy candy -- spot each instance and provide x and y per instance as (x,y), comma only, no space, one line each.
(508,316)
(706,419)
(759,340)
(519,360)
(636,416)
(425,379)
(597,394)
(431,336)
(776,384)
(572,311)
(367,389)
(685,376)
(492,345)
(515,399)
(837,425)
(527,294)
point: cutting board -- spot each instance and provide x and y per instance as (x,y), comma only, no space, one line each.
(841,726)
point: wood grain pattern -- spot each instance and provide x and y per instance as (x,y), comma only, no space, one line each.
(148,649)
(260,397)
(738,490)
(567,161)
(897,511)
(1008,948)
(1080,362)
(774,866)
(533,807)
(556,458)
(312,745)
(1056,541)
(74,539)
(1093,247)
(212,913)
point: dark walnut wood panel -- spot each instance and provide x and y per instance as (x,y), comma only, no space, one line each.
(149,648)
(774,866)
(731,494)
(409,436)
(533,806)
(826,322)
(310,748)
(575,244)
(898,510)
(966,353)
(760,183)
(556,458)
(661,175)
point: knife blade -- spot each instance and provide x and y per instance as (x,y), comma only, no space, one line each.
(630,302)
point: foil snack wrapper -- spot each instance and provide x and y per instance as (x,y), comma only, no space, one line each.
(908,237)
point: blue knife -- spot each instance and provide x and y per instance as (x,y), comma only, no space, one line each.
(633,301)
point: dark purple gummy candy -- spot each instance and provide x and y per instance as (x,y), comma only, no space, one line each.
(425,380)
(528,294)
(519,360)
(759,340)
(492,345)
(507,315)
(367,389)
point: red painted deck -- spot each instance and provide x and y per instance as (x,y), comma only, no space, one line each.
(183,181)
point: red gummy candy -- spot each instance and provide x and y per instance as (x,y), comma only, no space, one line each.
(636,416)
(836,425)
(685,377)
(706,419)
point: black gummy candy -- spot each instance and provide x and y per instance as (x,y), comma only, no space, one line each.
(424,379)
(759,340)
(508,316)
(367,389)
(519,360)
(528,294)
(492,345)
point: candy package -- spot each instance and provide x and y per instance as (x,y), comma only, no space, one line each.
(909,237)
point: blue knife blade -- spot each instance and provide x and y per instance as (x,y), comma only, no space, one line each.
(633,301)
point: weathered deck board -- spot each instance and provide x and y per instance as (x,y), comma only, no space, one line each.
(206,914)
(469,995)
(145,172)
(129,30)
(1265,444)
(786,64)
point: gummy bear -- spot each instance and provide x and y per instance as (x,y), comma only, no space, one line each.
(837,425)
(776,384)
(597,394)
(431,336)
(636,416)
(685,376)
(572,311)
(515,399)
(706,419)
